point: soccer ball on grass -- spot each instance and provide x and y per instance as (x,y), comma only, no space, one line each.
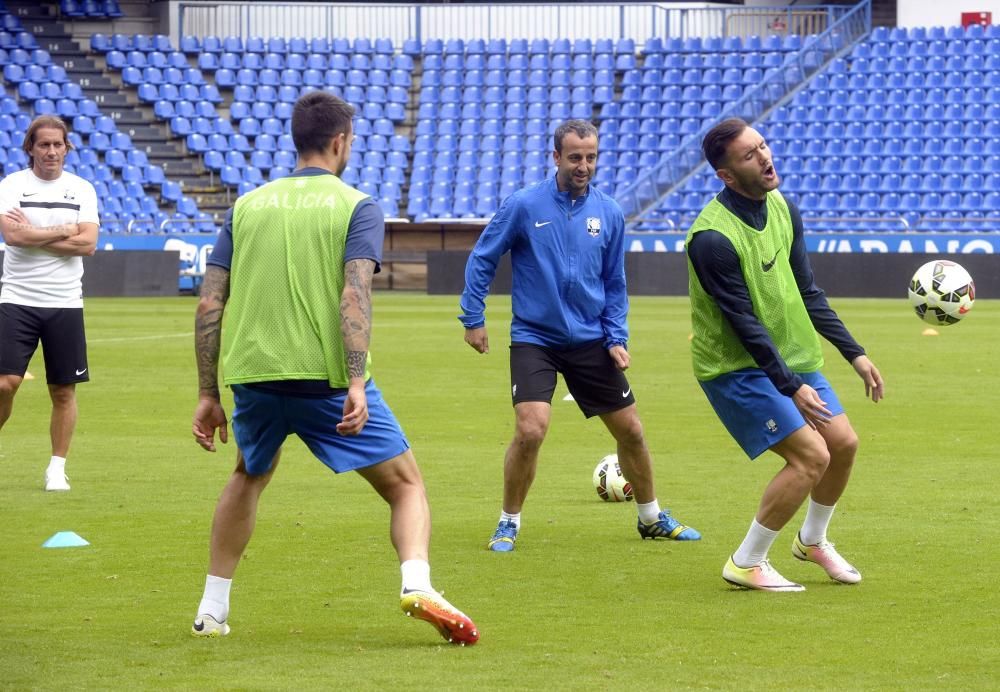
(942,292)
(609,482)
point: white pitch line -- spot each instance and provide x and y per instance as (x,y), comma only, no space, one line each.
(139,338)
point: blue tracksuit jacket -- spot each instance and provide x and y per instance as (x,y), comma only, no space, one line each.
(568,264)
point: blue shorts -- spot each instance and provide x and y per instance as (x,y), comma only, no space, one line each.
(755,413)
(262,420)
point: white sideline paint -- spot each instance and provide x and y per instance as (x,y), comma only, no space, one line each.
(152,337)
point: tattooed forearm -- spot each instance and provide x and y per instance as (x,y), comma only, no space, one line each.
(208,328)
(207,335)
(356,361)
(356,314)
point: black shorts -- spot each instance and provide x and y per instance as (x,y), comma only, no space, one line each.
(64,344)
(589,371)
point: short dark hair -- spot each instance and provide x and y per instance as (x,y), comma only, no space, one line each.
(50,121)
(318,117)
(717,140)
(581,128)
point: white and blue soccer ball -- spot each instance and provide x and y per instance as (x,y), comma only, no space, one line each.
(942,292)
(610,484)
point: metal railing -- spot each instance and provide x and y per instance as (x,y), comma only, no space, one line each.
(145,225)
(775,89)
(637,21)
(781,21)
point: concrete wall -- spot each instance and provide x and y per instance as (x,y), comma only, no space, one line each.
(131,273)
(662,273)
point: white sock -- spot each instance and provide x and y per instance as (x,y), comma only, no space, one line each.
(416,575)
(516,518)
(215,601)
(817,520)
(754,547)
(57,465)
(649,512)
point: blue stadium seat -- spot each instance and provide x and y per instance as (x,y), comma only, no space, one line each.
(27,90)
(108,9)
(214,159)
(100,43)
(71,8)
(171,191)
(44,106)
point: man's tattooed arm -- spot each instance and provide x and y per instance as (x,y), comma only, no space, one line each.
(356,314)
(208,328)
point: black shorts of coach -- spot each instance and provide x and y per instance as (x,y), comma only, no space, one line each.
(591,376)
(61,333)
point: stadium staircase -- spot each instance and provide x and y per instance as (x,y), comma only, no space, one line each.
(151,174)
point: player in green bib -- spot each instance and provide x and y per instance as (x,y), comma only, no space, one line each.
(757,316)
(292,272)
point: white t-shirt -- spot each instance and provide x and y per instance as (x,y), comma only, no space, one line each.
(34,276)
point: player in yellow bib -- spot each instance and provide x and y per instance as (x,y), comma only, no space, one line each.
(292,271)
(757,315)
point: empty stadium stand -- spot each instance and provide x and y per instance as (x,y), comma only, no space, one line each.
(899,131)
(902,133)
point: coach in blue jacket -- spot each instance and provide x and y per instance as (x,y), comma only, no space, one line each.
(567,245)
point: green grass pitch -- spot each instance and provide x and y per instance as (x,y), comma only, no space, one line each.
(581,604)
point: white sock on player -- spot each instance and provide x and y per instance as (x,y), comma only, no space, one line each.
(57,466)
(754,547)
(817,520)
(649,512)
(215,600)
(416,575)
(516,518)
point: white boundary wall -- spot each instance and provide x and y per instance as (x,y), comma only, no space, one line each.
(936,13)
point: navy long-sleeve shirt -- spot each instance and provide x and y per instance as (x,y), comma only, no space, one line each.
(718,269)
